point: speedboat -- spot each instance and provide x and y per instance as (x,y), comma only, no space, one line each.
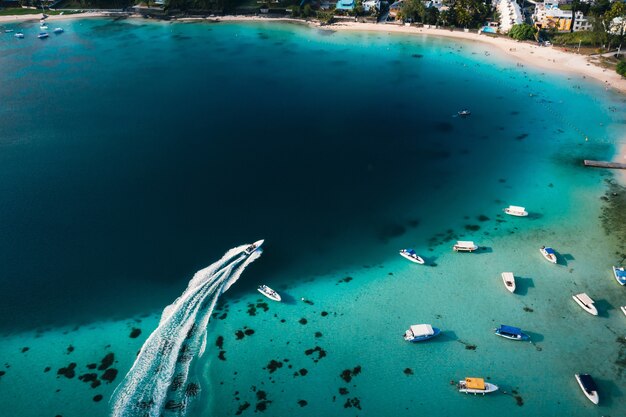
(269,293)
(8,31)
(510,332)
(19,35)
(43,27)
(588,386)
(465,246)
(420,332)
(620,275)
(516,211)
(548,253)
(509,281)
(411,256)
(476,386)
(586,303)
(464,113)
(43,35)
(256,245)
(58,30)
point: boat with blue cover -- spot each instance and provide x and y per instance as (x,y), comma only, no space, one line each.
(411,256)
(42,35)
(588,386)
(620,275)
(548,253)
(421,332)
(510,332)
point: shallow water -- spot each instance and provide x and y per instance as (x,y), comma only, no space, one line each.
(134,154)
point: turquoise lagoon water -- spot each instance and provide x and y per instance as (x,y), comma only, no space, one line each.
(134,154)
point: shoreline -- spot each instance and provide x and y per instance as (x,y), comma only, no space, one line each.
(548,58)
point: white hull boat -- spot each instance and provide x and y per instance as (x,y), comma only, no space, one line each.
(19,35)
(588,387)
(509,281)
(411,256)
(420,332)
(476,386)
(516,211)
(623,308)
(586,303)
(464,113)
(511,333)
(255,246)
(465,246)
(549,254)
(58,30)
(269,293)
(620,275)
(42,35)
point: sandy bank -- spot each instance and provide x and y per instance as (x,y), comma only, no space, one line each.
(36,17)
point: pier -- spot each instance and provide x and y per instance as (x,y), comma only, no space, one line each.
(604,164)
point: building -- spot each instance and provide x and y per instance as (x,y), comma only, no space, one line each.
(345,5)
(549,16)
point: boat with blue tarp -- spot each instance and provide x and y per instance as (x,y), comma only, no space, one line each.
(620,275)
(411,256)
(421,332)
(548,253)
(588,386)
(510,332)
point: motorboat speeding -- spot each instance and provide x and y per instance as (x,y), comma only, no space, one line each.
(255,246)
(269,293)
(411,256)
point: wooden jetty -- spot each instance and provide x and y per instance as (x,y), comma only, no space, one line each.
(604,164)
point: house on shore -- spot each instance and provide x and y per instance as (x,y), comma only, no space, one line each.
(548,15)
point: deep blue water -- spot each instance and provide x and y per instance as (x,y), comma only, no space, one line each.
(132,153)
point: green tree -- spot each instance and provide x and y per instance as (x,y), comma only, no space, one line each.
(307,11)
(431,16)
(621,68)
(411,10)
(470,13)
(522,32)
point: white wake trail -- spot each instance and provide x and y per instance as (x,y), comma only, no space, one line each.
(157,382)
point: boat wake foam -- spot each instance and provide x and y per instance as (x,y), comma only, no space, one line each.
(157,383)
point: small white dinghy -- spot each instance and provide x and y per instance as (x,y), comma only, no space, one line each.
(509,281)
(269,293)
(476,386)
(516,211)
(623,308)
(465,246)
(411,256)
(548,253)
(588,386)
(586,303)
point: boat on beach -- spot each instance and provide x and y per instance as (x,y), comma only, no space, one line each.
(588,387)
(269,293)
(516,211)
(586,303)
(465,246)
(620,275)
(43,35)
(411,256)
(256,245)
(420,332)
(548,253)
(511,333)
(509,281)
(476,386)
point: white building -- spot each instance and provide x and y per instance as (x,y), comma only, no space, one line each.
(369,4)
(510,14)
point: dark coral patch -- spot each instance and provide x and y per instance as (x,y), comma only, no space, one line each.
(70,349)
(302,321)
(106,361)
(472,227)
(408,371)
(263,305)
(318,334)
(343,391)
(352,402)
(324,313)
(302,403)
(239,334)
(320,353)
(219,342)
(134,333)
(68,371)
(248,332)
(346,279)
(242,407)
(303,372)
(97,398)
(483,218)
(221,355)
(92,366)
(109,375)
(2,373)
(47,369)
(273,366)
(251,310)
(25,349)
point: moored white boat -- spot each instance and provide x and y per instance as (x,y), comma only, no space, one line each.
(509,281)
(548,253)
(19,35)
(42,35)
(58,30)
(464,112)
(255,246)
(620,275)
(43,27)
(420,332)
(586,303)
(623,308)
(510,332)
(516,211)
(8,31)
(465,246)
(411,256)
(588,387)
(269,293)
(476,386)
